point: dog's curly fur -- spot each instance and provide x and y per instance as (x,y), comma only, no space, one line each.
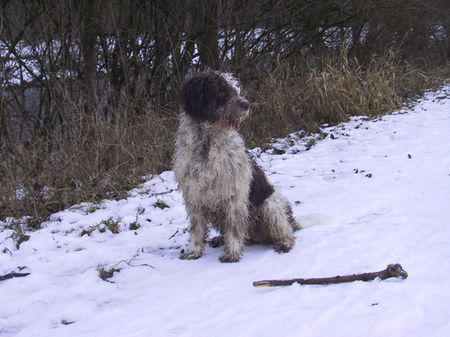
(221,184)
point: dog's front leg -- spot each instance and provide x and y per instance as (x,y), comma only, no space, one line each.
(234,246)
(234,235)
(198,232)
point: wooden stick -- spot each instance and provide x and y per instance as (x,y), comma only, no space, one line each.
(392,270)
(11,275)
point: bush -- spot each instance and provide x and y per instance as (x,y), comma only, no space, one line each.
(330,90)
(92,158)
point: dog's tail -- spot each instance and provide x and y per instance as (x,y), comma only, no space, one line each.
(312,219)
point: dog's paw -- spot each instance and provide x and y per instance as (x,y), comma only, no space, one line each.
(190,255)
(217,241)
(227,258)
(283,247)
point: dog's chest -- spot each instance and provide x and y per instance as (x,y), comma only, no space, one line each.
(212,165)
(218,156)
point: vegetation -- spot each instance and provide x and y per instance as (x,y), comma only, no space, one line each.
(18,235)
(88,89)
(113,225)
(330,90)
(105,273)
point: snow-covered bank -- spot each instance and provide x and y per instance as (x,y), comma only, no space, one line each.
(384,183)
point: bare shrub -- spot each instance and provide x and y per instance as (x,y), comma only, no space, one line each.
(330,90)
(88,88)
(92,159)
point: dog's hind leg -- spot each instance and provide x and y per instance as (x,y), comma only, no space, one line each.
(279,223)
(198,232)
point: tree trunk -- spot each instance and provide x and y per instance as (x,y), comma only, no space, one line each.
(206,35)
(88,21)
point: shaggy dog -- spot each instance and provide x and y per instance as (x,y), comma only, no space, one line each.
(221,184)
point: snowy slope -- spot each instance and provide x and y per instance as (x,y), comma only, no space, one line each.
(384,183)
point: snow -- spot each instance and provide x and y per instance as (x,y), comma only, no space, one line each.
(381,189)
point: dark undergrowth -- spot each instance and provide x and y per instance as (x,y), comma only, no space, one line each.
(93,158)
(330,90)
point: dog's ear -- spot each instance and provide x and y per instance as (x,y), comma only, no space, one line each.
(203,94)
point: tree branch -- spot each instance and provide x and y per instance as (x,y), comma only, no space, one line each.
(11,275)
(392,270)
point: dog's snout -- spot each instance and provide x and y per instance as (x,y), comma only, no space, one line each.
(245,105)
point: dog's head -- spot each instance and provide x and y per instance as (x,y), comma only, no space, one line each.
(214,97)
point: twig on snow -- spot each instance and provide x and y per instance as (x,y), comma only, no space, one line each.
(11,275)
(161,193)
(173,235)
(133,265)
(392,270)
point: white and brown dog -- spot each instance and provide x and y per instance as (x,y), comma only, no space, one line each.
(221,184)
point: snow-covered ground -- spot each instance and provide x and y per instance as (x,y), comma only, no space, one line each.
(385,184)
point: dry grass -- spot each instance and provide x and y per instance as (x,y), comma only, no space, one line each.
(93,159)
(330,90)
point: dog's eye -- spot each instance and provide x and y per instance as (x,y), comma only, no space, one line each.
(245,105)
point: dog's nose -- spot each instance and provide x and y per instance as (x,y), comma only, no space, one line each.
(245,105)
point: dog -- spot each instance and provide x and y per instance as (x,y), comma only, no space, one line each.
(221,183)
